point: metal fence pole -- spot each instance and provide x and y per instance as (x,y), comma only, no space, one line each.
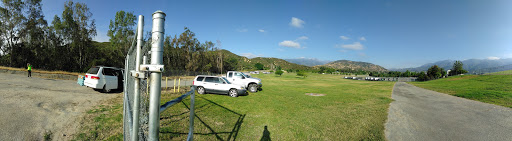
(136,86)
(157,35)
(191,128)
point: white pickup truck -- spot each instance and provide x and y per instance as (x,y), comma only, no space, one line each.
(241,79)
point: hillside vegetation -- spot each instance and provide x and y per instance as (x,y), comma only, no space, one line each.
(494,89)
(354,65)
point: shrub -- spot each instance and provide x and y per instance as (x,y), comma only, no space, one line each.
(302,73)
(279,72)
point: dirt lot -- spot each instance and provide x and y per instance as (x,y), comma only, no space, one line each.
(35,108)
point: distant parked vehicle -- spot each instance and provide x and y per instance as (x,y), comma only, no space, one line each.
(104,78)
(215,84)
(241,79)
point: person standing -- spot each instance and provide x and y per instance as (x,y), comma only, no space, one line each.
(29,68)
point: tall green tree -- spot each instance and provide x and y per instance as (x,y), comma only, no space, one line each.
(34,35)
(121,30)
(12,19)
(435,72)
(457,68)
(77,29)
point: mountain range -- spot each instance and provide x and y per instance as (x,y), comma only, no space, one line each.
(307,61)
(353,65)
(471,65)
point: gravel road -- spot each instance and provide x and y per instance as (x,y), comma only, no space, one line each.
(31,108)
(420,114)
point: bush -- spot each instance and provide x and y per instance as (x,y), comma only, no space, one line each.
(279,72)
(302,73)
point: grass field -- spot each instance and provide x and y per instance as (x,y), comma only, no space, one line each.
(494,89)
(350,110)
(507,72)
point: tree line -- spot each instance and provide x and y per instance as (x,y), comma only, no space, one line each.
(66,43)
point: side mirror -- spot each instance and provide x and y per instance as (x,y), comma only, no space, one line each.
(223,82)
(243,77)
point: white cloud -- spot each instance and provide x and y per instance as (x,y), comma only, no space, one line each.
(261,30)
(242,30)
(250,55)
(353,46)
(296,22)
(291,44)
(493,58)
(362,38)
(344,37)
(303,38)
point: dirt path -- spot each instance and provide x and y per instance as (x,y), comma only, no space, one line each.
(31,108)
(419,114)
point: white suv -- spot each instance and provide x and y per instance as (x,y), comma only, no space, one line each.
(215,84)
(104,78)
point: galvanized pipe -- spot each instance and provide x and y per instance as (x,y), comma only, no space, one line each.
(157,42)
(136,85)
(126,105)
(192,103)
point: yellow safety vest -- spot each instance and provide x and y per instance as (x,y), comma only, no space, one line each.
(29,67)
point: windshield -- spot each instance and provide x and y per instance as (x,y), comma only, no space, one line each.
(246,76)
(226,80)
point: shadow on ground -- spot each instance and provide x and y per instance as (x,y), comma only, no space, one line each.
(212,121)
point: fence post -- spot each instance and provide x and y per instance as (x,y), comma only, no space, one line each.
(166,83)
(179,84)
(157,35)
(136,99)
(192,103)
(174,86)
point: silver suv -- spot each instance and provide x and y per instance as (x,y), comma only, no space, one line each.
(216,84)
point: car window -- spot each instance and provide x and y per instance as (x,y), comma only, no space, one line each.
(226,80)
(200,78)
(208,79)
(230,75)
(107,71)
(218,80)
(93,70)
(238,75)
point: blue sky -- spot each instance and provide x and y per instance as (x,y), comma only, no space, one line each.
(390,33)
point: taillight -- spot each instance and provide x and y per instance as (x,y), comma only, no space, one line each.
(193,82)
(86,76)
(95,77)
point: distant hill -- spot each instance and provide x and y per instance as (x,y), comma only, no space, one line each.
(247,63)
(274,62)
(471,65)
(353,65)
(307,62)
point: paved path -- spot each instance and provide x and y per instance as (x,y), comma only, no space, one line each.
(419,114)
(30,108)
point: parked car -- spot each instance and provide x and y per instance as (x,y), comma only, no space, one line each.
(104,78)
(216,84)
(241,79)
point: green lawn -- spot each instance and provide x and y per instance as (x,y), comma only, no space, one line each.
(494,89)
(351,110)
(507,72)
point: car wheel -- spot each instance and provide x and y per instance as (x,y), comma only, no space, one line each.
(253,88)
(233,93)
(200,90)
(105,90)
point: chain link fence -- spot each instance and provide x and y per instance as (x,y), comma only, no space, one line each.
(129,94)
